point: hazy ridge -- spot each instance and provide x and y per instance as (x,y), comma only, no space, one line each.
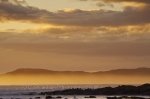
(138,71)
(28,76)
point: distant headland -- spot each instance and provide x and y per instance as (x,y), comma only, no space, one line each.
(29,76)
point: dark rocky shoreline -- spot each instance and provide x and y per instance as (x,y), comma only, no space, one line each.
(120,90)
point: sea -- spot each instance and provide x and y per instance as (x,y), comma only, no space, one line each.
(23,91)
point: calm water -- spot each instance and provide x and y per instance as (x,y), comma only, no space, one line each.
(16,92)
(43,97)
(11,90)
(63,97)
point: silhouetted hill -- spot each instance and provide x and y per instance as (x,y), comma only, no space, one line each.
(138,71)
(120,90)
(44,76)
(28,71)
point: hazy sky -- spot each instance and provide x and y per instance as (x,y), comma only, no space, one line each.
(88,35)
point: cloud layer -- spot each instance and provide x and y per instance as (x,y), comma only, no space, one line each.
(76,17)
(106,39)
(118,1)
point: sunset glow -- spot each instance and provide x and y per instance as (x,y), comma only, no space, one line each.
(74,35)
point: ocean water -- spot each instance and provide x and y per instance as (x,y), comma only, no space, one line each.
(20,92)
(43,97)
(63,97)
(19,89)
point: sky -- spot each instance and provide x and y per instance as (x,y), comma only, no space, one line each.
(74,35)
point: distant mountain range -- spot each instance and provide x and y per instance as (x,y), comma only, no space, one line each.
(44,76)
(30,71)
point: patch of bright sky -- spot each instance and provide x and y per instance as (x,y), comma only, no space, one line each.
(14,25)
(55,5)
(19,26)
